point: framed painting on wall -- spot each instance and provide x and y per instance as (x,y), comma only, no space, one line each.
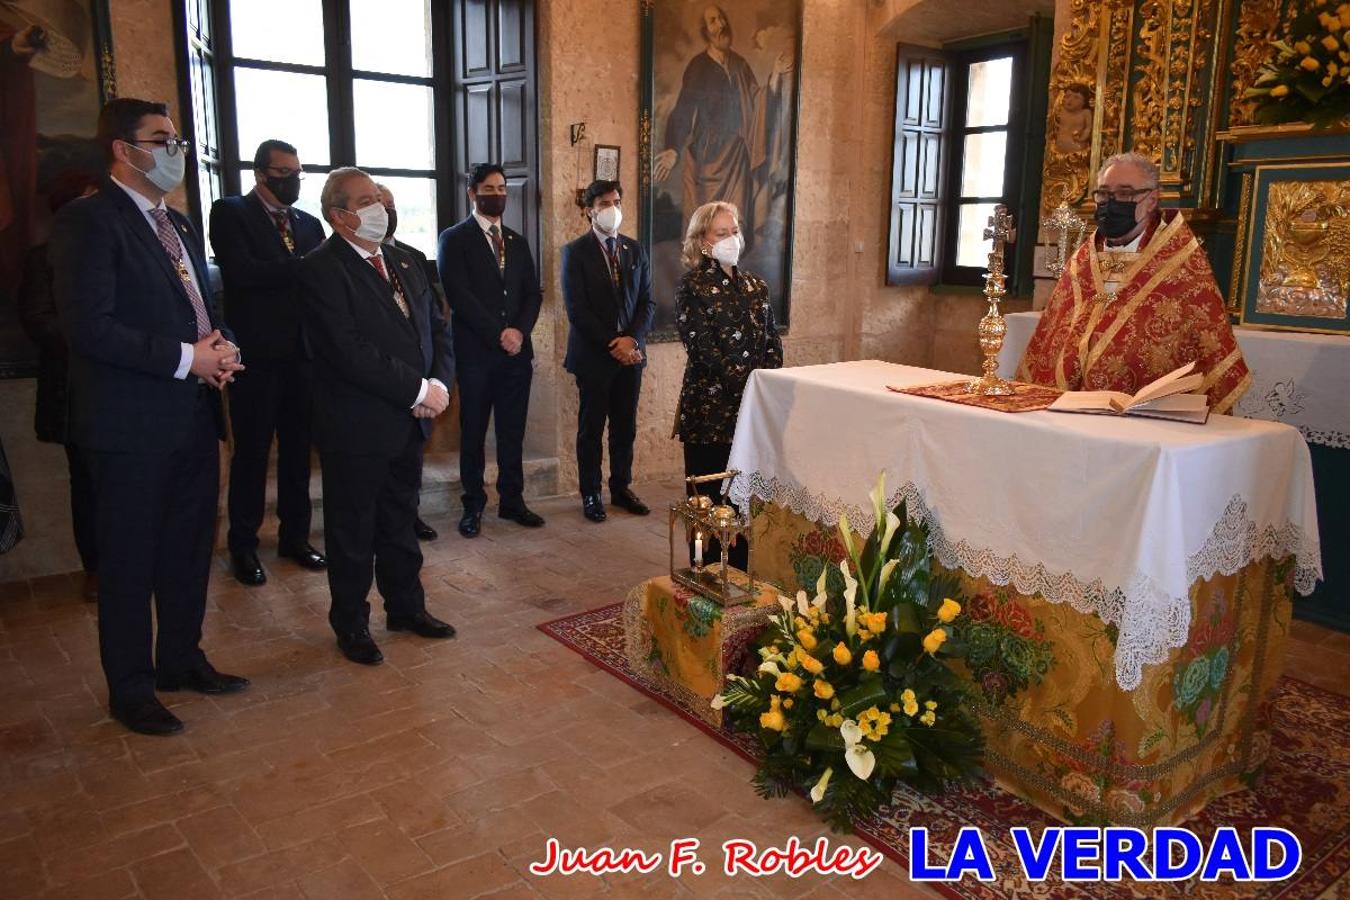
(718,121)
(56,72)
(1297,258)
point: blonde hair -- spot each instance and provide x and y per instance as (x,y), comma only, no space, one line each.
(692,255)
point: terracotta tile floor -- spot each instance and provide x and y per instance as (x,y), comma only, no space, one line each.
(437,775)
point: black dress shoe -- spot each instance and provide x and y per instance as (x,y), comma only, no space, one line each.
(423,624)
(247,569)
(359,647)
(593,508)
(626,499)
(471,522)
(423,531)
(146,717)
(521,515)
(205,680)
(305,555)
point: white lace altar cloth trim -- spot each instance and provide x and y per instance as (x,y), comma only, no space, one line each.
(1116,518)
(1298,379)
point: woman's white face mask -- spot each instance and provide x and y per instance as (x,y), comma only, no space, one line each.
(728,250)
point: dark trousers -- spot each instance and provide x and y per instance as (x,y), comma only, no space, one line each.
(706,459)
(155,522)
(83,513)
(369,506)
(270,397)
(611,395)
(493,386)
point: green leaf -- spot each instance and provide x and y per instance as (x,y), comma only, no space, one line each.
(824,739)
(905,619)
(869,692)
(895,755)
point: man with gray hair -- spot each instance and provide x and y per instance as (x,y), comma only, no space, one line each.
(1136,301)
(383,364)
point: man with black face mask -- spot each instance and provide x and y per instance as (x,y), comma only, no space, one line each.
(259,239)
(1136,301)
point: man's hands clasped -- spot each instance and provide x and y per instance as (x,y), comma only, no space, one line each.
(624,349)
(434,403)
(215,360)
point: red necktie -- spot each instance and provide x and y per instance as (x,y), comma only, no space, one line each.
(283,220)
(378,263)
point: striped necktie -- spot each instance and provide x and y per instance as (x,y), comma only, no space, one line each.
(168,238)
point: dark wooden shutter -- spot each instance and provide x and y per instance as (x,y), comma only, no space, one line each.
(918,166)
(495,104)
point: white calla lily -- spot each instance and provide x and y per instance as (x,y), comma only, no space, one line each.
(771,667)
(892,526)
(846,535)
(822,581)
(820,601)
(718,702)
(850,600)
(886,572)
(861,761)
(818,791)
(785,602)
(878,497)
(801,602)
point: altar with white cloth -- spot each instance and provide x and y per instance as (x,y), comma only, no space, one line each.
(1136,574)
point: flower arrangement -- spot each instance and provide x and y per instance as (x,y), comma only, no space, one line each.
(855,691)
(1309,80)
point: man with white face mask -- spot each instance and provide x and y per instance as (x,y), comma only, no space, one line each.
(607,288)
(149,354)
(382,368)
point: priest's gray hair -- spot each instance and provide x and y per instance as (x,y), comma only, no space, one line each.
(1138,160)
(334,194)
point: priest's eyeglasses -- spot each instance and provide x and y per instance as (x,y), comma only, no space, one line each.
(1124,195)
(173,146)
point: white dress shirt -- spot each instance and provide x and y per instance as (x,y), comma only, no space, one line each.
(366,254)
(145,206)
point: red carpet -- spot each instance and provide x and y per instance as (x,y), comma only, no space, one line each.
(1306,789)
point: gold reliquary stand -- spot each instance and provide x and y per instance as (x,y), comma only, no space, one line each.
(992,327)
(698,519)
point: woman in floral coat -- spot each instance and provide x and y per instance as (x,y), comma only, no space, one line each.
(727,326)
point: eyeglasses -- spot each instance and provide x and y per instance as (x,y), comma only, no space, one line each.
(172,145)
(284,172)
(1124,195)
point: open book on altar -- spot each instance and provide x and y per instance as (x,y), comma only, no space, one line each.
(1167,398)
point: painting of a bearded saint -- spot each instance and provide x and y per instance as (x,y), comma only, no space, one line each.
(723,109)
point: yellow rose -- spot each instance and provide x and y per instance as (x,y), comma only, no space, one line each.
(834,705)
(907,696)
(1303,47)
(1343,12)
(824,690)
(949,610)
(812,665)
(806,639)
(1280,90)
(871,662)
(787,704)
(1326,82)
(1333,24)
(875,621)
(1324,19)
(930,705)
(773,720)
(933,642)
(788,683)
(1333,68)
(1310,64)
(822,715)
(895,707)
(911,708)
(1331,43)
(928,719)
(842,655)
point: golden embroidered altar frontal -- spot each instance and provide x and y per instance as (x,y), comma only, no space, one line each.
(1077,745)
(686,643)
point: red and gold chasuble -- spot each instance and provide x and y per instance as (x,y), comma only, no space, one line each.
(1117,321)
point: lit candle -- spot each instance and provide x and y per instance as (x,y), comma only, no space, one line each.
(698,551)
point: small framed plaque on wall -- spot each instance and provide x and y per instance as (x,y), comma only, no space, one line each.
(606,163)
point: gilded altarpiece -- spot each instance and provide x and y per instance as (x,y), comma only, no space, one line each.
(1167,78)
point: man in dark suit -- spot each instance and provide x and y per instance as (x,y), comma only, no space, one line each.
(149,354)
(607,288)
(382,368)
(259,239)
(493,292)
(423,531)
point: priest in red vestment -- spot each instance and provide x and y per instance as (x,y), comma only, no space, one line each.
(1136,301)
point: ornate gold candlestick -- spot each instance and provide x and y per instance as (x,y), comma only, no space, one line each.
(698,519)
(992,326)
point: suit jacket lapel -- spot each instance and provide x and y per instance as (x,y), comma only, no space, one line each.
(146,234)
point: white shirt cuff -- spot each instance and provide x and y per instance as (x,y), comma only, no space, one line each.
(421,394)
(184,362)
